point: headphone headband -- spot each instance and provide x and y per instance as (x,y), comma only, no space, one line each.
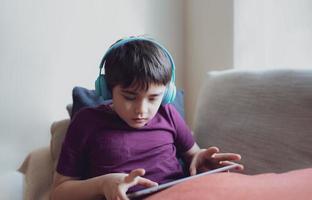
(130,39)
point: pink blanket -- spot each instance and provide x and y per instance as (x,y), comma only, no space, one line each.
(293,185)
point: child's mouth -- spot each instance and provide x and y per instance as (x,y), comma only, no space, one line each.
(139,120)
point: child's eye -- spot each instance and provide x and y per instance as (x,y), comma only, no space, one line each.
(153,98)
(129,98)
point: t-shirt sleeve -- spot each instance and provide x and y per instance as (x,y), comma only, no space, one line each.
(72,158)
(183,136)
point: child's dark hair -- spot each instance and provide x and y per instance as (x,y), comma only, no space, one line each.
(138,64)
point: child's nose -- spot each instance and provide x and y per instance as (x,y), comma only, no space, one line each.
(141,107)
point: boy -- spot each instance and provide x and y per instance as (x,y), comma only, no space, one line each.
(133,142)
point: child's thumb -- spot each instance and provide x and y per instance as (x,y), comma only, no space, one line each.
(192,169)
(192,172)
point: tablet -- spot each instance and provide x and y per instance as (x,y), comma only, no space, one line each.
(151,190)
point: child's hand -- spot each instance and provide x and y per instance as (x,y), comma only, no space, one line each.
(116,185)
(207,159)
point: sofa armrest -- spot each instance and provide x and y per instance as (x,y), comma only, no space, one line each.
(39,166)
(58,131)
(38,173)
(292,185)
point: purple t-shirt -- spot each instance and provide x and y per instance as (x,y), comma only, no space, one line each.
(99,142)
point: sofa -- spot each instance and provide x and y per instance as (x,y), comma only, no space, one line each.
(265,115)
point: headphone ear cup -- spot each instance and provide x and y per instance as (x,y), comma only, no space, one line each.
(98,86)
(101,88)
(170,94)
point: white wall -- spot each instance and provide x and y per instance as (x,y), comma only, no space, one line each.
(47,47)
(273,33)
(209,44)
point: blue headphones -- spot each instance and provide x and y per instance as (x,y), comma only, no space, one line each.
(101,84)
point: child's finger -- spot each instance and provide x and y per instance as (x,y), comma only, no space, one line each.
(138,181)
(193,167)
(146,182)
(239,167)
(122,196)
(133,174)
(210,152)
(227,156)
(193,171)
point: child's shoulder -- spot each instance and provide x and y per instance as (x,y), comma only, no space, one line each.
(167,109)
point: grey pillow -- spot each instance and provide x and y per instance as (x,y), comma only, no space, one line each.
(265,115)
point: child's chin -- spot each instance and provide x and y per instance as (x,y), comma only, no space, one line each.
(137,125)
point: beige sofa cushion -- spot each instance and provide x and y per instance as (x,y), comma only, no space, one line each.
(265,115)
(58,132)
(40,164)
(38,174)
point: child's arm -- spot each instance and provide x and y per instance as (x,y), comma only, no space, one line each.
(110,186)
(201,160)
(65,187)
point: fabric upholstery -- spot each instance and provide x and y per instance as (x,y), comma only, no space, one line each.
(292,185)
(58,132)
(265,115)
(40,164)
(83,97)
(38,172)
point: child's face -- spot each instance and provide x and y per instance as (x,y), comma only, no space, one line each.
(137,108)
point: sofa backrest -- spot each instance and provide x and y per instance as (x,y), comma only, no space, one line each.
(265,115)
